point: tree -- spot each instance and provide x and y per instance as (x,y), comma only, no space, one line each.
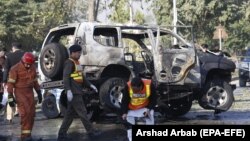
(93,8)
(205,15)
(51,13)
(121,11)
(28,21)
(14,18)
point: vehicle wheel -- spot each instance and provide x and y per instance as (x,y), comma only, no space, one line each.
(49,107)
(110,93)
(242,82)
(217,95)
(52,59)
(178,107)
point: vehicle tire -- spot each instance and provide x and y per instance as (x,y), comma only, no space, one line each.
(242,82)
(49,107)
(217,95)
(52,59)
(178,107)
(110,93)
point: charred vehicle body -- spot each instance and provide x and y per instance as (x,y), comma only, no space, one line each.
(112,54)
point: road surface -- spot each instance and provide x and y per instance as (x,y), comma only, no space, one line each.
(46,129)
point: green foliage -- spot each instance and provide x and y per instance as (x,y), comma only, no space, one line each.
(205,15)
(121,12)
(13,19)
(28,21)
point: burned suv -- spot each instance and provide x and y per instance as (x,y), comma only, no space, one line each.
(112,54)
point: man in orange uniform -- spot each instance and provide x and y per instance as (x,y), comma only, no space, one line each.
(139,100)
(21,81)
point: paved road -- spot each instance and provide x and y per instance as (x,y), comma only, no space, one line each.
(47,129)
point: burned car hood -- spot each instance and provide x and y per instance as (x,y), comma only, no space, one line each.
(209,60)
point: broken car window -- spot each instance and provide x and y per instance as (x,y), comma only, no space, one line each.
(106,36)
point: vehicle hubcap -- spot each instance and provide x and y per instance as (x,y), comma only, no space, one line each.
(216,96)
(116,96)
(49,59)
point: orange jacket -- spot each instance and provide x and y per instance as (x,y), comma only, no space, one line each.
(139,100)
(20,77)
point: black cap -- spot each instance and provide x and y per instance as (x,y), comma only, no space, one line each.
(75,48)
(136,82)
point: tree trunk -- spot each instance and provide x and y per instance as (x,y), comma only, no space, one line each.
(91,10)
(96,9)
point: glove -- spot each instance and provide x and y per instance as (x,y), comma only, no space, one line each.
(11,100)
(94,88)
(39,96)
(69,95)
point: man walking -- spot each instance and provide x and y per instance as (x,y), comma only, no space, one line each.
(21,82)
(139,100)
(11,59)
(74,81)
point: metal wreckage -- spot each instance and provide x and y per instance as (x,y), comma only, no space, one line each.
(112,54)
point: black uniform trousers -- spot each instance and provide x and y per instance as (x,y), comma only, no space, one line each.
(76,106)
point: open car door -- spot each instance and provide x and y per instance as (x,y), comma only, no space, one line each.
(173,57)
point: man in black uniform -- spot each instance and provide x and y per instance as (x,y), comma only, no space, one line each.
(74,81)
(11,59)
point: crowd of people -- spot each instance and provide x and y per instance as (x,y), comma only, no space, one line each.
(19,79)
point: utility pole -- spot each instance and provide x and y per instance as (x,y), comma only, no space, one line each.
(220,33)
(131,12)
(91,10)
(220,36)
(175,19)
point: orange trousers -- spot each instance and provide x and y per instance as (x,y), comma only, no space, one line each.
(26,107)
